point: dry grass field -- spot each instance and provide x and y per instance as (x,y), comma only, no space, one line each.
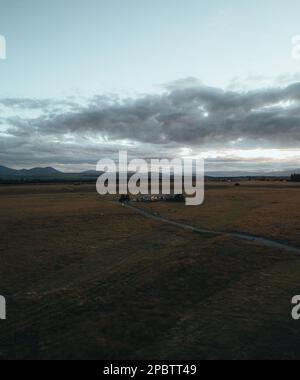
(85,278)
(269,209)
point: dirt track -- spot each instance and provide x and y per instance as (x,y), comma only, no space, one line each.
(240,235)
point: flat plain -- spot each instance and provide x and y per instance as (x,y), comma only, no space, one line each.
(85,278)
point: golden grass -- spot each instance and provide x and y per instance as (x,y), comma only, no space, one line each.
(87,278)
(271,210)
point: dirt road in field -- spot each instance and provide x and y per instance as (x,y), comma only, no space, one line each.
(239,235)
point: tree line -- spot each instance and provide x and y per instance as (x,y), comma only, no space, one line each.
(295,177)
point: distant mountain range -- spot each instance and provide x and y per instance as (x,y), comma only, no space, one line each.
(35,172)
(51,172)
(236,174)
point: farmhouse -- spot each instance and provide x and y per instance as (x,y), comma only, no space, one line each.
(158,198)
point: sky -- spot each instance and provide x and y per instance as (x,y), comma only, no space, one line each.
(159,78)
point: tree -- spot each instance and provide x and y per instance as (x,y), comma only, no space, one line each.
(124,198)
(295,178)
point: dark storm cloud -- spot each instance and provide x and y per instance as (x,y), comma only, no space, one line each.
(187,114)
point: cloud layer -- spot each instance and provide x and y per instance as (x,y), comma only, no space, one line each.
(186,115)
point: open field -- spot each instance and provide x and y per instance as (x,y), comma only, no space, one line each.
(86,278)
(269,209)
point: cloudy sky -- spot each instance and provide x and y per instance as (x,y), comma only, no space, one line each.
(159,78)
